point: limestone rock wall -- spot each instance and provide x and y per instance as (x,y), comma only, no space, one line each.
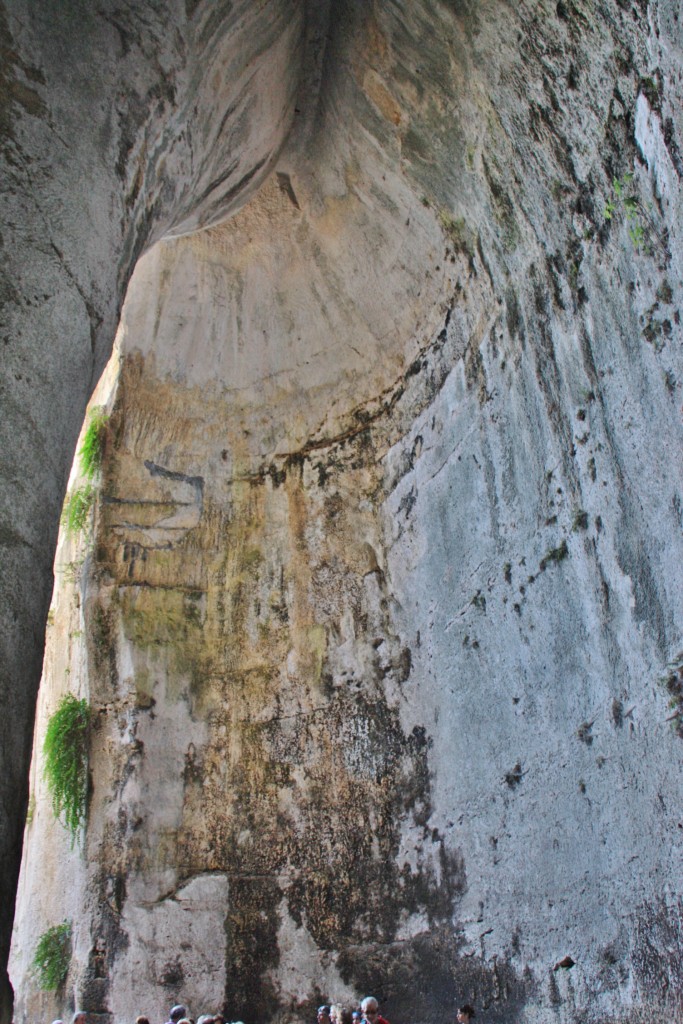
(385,573)
(118,124)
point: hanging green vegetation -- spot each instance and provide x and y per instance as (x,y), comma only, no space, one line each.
(66,761)
(78,504)
(92,449)
(53,955)
(76,510)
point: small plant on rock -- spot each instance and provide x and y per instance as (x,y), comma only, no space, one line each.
(76,510)
(30,810)
(557,555)
(92,449)
(641,229)
(457,232)
(72,571)
(52,956)
(79,503)
(66,761)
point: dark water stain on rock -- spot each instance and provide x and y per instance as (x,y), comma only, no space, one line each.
(425,977)
(347,885)
(251,930)
(110,938)
(657,953)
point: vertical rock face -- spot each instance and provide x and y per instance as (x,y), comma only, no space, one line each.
(103,151)
(385,570)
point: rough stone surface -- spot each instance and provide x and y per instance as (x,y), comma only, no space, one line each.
(385,569)
(103,150)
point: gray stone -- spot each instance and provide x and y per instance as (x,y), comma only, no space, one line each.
(385,574)
(104,150)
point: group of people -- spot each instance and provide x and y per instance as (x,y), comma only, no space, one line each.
(328,1013)
(335,1013)
(179,1015)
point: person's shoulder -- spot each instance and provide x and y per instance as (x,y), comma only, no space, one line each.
(382,1020)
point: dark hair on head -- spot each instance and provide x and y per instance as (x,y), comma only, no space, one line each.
(142,1020)
(469,1010)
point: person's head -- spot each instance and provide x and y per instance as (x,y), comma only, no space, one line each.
(465,1014)
(340,1014)
(370,1009)
(324,1014)
(218,1018)
(177,1013)
(79,1017)
(142,1020)
(206,1018)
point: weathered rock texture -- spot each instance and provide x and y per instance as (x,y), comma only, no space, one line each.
(119,124)
(385,569)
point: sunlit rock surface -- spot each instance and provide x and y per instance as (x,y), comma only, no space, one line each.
(385,573)
(118,123)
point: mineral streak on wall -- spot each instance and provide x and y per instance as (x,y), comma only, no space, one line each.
(385,571)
